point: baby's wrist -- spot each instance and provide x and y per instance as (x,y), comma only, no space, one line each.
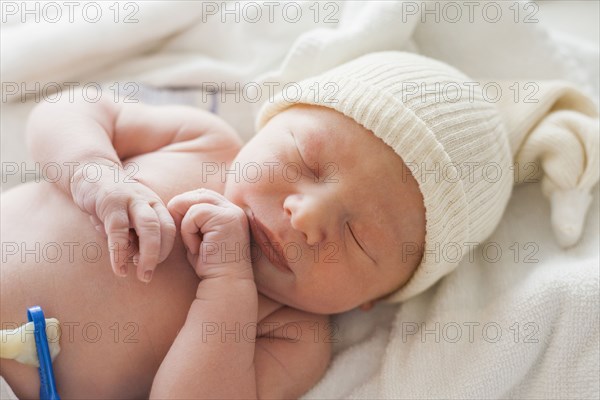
(227,286)
(88,177)
(224,267)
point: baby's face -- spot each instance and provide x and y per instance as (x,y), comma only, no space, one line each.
(341,227)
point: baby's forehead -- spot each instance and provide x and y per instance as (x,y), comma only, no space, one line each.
(335,137)
(322,125)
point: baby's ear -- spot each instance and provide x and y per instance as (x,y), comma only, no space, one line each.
(555,131)
(367,306)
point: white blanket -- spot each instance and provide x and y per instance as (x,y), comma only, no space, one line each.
(518,318)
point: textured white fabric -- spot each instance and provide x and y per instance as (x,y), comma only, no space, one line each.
(6,392)
(171,46)
(558,134)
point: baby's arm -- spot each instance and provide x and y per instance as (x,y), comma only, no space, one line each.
(292,353)
(198,364)
(72,134)
(103,135)
(220,352)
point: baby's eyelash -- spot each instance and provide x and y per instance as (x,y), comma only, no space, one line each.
(315,169)
(358,242)
(354,236)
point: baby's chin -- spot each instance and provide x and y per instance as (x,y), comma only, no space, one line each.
(274,293)
(303,303)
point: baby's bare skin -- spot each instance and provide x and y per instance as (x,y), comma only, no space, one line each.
(145,317)
(138,321)
(365,214)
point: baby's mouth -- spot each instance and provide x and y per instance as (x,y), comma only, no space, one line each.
(273,250)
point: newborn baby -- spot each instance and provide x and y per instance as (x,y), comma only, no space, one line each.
(226,279)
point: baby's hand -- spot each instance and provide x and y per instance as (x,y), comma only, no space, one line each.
(116,204)
(215,233)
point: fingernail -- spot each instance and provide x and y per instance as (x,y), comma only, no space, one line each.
(123,270)
(136,260)
(147,276)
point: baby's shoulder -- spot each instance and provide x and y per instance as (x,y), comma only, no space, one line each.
(293,349)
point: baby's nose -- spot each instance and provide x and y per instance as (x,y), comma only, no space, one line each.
(314,236)
(307,217)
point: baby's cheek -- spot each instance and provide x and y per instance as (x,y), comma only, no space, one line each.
(249,193)
(269,184)
(333,278)
(233,193)
(242,181)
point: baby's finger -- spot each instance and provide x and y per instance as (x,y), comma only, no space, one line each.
(147,226)
(192,259)
(190,226)
(167,231)
(98,225)
(176,210)
(95,220)
(117,230)
(180,204)
(133,252)
(194,225)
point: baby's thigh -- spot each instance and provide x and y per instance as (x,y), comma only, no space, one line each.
(42,263)
(20,247)
(24,280)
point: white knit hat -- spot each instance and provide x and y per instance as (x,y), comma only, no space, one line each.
(438,121)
